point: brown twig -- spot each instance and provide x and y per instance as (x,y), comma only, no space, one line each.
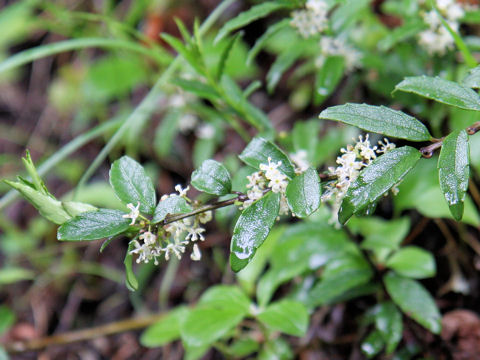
(82,335)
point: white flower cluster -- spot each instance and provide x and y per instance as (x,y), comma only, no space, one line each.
(268,178)
(312,20)
(350,163)
(299,158)
(173,238)
(336,46)
(436,39)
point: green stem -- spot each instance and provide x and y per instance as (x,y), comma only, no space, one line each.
(167,281)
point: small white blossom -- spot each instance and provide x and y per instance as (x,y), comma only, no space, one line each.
(187,122)
(174,248)
(336,46)
(205,217)
(144,251)
(205,131)
(148,238)
(182,192)
(385,146)
(299,158)
(134,213)
(195,233)
(196,255)
(312,20)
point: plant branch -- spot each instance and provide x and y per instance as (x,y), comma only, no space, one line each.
(82,335)
(427,151)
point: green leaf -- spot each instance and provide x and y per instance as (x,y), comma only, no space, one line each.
(131,281)
(328,77)
(191,56)
(94,225)
(259,150)
(454,171)
(303,193)
(288,316)
(276,349)
(165,330)
(441,90)
(74,208)
(213,178)
(7,318)
(472,80)
(49,207)
(254,13)
(263,40)
(171,205)
(243,347)
(198,88)
(281,64)
(413,262)
(412,298)
(388,321)
(252,228)
(339,276)
(402,33)
(132,185)
(219,310)
(10,275)
(376,179)
(225,54)
(378,119)
(373,344)
(38,183)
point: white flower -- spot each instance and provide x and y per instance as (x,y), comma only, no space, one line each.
(205,131)
(300,159)
(148,238)
(187,122)
(134,213)
(205,217)
(385,146)
(181,192)
(317,6)
(309,23)
(144,252)
(195,233)
(196,255)
(174,248)
(336,46)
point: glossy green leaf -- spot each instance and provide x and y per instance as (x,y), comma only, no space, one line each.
(213,178)
(287,316)
(171,205)
(373,344)
(376,179)
(7,318)
(254,13)
(413,262)
(412,298)
(378,119)
(328,77)
(340,275)
(198,88)
(74,208)
(219,310)
(165,330)
(131,281)
(276,349)
(454,171)
(441,90)
(259,150)
(252,228)
(132,185)
(263,40)
(472,80)
(303,193)
(94,225)
(49,207)
(388,321)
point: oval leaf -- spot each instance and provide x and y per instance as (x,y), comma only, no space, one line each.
(259,150)
(472,80)
(213,178)
(252,228)
(131,281)
(328,77)
(165,330)
(412,298)
(171,205)
(288,316)
(378,119)
(373,344)
(132,185)
(413,262)
(303,193)
(388,321)
(441,90)
(94,225)
(377,178)
(454,171)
